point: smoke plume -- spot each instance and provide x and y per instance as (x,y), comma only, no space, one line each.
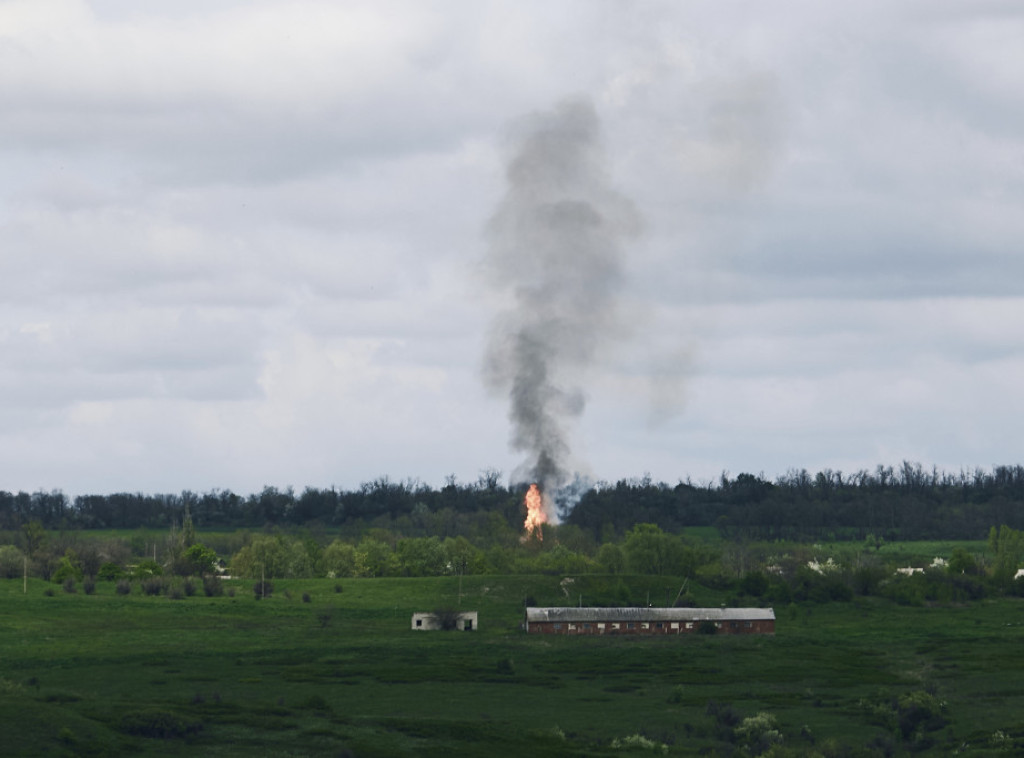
(556,253)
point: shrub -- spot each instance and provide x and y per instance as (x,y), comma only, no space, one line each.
(506,666)
(148,568)
(48,592)
(89,586)
(189,587)
(68,567)
(263,589)
(212,586)
(176,593)
(158,724)
(707,627)
(69,585)
(124,587)
(305,597)
(153,585)
(12,562)
(110,572)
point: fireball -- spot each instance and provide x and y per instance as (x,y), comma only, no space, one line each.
(535,515)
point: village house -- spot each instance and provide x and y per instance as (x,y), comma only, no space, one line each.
(650,621)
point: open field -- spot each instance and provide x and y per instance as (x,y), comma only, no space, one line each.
(342,674)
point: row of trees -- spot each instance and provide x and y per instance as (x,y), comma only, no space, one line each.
(766,572)
(906,502)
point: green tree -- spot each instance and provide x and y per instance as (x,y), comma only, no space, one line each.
(12,562)
(266,556)
(1008,546)
(611,558)
(421,556)
(374,557)
(34,537)
(962,562)
(649,550)
(197,560)
(68,567)
(339,559)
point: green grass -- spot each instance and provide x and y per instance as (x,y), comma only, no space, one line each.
(227,676)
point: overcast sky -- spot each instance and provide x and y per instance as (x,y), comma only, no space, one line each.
(241,242)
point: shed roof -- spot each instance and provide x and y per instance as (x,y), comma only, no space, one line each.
(572,615)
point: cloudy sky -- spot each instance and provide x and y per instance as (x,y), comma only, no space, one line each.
(241,242)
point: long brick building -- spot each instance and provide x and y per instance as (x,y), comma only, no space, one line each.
(652,621)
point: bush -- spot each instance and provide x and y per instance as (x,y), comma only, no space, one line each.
(153,585)
(12,562)
(158,724)
(69,585)
(89,586)
(306,598)
(212,586)
(110,572)
(176,593)
(68,567)
(263,589)
(189,587)
(148,568)
(124,587)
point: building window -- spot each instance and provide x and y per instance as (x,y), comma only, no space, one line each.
(419,622)
(558,627)
(659,625)
(630,625)
(689,625)
(468,626)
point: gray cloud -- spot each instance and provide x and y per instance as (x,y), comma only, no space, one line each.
(239,242)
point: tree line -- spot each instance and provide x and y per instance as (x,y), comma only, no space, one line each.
(906,502)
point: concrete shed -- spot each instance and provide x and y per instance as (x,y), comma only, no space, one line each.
(466,621)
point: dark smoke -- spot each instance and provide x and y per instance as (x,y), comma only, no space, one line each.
(555,249)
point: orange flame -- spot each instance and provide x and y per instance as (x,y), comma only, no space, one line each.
(535,515)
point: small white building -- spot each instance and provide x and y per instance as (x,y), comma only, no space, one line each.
(466,621)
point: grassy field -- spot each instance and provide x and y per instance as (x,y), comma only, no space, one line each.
(342,674)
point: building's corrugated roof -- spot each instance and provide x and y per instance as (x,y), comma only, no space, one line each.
(573,615)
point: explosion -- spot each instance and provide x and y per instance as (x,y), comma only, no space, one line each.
(535,515)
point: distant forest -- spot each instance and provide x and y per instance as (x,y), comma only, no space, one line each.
(906,502)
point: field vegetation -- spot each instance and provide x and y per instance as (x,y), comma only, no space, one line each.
(291,636)
(328,667)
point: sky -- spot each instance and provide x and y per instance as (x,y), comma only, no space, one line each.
(243,243)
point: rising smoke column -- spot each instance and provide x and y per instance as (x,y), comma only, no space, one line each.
(556,252)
